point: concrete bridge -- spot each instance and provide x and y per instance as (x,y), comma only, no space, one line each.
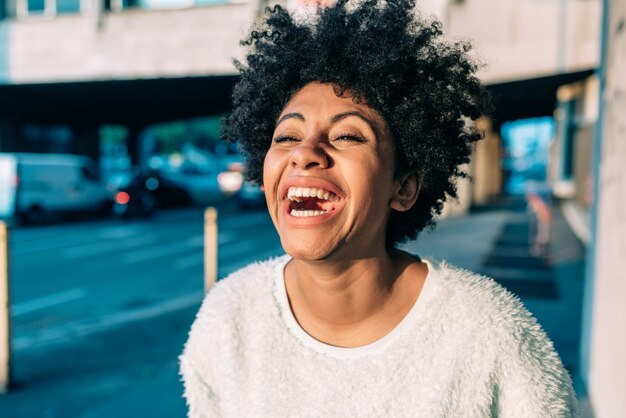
(136,62)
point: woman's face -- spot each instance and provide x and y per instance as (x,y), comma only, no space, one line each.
(329,176)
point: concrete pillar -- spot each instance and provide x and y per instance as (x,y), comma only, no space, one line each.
(487,167)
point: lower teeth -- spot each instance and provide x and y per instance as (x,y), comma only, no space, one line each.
(303,213)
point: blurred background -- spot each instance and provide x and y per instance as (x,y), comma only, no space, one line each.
(109,152)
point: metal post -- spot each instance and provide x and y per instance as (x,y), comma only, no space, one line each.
(210,248)
(5,334)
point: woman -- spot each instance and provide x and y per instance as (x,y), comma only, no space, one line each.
(356,126)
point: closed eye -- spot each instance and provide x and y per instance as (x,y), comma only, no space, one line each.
(350,138)
(285,138)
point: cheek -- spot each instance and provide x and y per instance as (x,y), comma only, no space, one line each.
(271,170)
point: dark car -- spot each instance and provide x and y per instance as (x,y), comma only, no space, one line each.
(145,193)
(251,196)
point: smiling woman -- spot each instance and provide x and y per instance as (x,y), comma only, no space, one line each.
(356,123)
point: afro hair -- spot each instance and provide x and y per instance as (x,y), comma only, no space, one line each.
(389,57)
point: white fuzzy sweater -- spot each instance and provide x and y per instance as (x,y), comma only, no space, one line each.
(467,348)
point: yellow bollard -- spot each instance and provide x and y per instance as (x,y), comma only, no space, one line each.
(5,334)
(210,248)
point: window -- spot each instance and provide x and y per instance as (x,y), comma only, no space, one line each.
(36,6)
(68,6)
(568,140)
(26,8)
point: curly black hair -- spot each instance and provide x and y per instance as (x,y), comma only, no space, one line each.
(389,57)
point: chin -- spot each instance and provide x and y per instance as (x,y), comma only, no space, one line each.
(306,253)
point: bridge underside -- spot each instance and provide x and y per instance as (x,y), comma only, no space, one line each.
(128,102)
(141,102)
(138,103)
(529,98)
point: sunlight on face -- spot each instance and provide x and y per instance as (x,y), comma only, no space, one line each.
(328,176)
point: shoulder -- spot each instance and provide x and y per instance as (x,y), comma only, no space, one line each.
(486,310)
(243,284)
(225,310)
(480,297)
(249,288)
(530,375)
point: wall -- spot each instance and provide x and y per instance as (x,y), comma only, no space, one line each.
(528,38)
(607,373)
(130,44)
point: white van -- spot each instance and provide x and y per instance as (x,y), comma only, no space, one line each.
(35,185)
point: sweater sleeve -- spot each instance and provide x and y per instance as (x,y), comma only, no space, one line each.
(533,381)
(202,401)
(196,364)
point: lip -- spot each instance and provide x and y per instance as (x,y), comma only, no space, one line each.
(309,182)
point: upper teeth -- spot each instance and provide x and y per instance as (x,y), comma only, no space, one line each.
(294,192)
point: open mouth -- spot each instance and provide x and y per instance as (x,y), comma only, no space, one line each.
(311,201)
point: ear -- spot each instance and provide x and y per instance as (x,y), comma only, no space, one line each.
(407,190)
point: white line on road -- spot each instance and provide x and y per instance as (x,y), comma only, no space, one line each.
(235,248)
(104,247)
(47,301)
(121,231)
(63,239)
(69,332)
(163,250)
(173,248)
(230,267)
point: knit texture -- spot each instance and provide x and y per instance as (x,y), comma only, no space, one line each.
(468,348)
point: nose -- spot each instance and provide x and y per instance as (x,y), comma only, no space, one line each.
(309,154)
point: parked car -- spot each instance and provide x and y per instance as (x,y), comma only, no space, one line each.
(251,196)
(200,182)
(34,186)
(145,193)
(232,183)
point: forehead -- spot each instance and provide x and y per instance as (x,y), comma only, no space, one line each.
(318,99)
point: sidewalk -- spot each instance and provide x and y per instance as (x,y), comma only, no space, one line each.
(492,241)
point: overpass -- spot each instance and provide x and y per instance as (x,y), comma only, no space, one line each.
(84,63)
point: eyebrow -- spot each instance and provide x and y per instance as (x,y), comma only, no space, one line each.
(336,118)
(359,115)
(290,116)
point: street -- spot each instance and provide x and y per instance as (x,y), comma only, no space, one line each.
(91,301)
(101,309)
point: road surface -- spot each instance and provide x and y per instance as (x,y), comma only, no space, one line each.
(100,305)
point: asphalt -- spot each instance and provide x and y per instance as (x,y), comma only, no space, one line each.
(496,241)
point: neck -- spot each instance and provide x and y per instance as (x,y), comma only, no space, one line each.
(351,302)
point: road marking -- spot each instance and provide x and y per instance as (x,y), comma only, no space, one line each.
(189,261)
(163,250)
(235,248)
(69,239)
(120,231)
(104,247)
(229,268)
(172,248)
(47,246)
(71,331)
(47,301)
